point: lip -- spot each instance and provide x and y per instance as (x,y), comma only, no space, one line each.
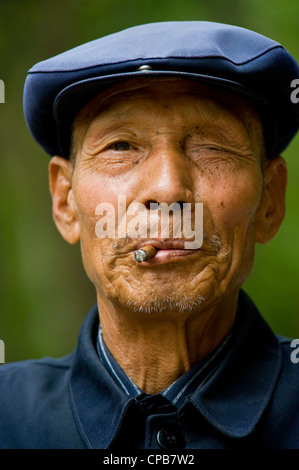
(160,244)
(167,251)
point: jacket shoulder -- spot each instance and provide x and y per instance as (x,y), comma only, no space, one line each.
(282,416)
(33,398)
(31,375)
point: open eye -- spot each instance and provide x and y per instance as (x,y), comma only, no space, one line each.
(120,146)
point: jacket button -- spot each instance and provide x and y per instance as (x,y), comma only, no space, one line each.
(168,440)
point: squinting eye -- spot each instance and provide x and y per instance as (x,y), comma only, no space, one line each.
(121,146)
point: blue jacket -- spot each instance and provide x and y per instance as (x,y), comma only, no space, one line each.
(249,398)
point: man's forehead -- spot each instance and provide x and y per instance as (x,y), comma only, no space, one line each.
(122,103)
(159,89)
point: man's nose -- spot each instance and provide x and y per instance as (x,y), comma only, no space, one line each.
(167,177)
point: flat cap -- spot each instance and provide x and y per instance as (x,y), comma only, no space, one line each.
(232,57)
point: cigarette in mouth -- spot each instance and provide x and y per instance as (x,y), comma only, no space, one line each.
(145,253)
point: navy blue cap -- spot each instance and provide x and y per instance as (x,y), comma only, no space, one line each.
(231,57)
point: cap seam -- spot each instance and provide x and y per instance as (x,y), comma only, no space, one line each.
(277,46)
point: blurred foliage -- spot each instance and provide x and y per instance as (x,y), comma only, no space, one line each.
(45,294)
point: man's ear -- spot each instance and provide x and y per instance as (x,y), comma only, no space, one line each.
(63,203)
(272,207)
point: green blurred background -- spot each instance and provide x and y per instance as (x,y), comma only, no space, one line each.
(45,294)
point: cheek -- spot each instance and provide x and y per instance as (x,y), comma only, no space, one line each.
(231,215)
(89,193)
(234,202)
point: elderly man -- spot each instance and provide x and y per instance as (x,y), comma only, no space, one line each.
(174,355)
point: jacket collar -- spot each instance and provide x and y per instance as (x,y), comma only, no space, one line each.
(232,399)
(235,397)
(97,401)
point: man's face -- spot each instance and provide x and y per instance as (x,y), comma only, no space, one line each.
(169,141)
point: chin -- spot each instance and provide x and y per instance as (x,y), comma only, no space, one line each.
(170,304)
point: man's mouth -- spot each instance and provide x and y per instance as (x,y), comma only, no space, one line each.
(159,251)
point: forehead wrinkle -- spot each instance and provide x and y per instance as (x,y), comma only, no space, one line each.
(243,110)
(118,92)
(207,119)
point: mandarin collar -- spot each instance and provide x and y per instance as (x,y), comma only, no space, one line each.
(98,402)
(235,397)
(232,399)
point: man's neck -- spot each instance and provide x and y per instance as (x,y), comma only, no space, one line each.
(156,349)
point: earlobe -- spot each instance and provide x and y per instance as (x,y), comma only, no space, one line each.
(63,203)
(272,207)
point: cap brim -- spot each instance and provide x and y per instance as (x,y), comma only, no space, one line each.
(75,96)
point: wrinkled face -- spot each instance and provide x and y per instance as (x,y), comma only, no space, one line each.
(169,141)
